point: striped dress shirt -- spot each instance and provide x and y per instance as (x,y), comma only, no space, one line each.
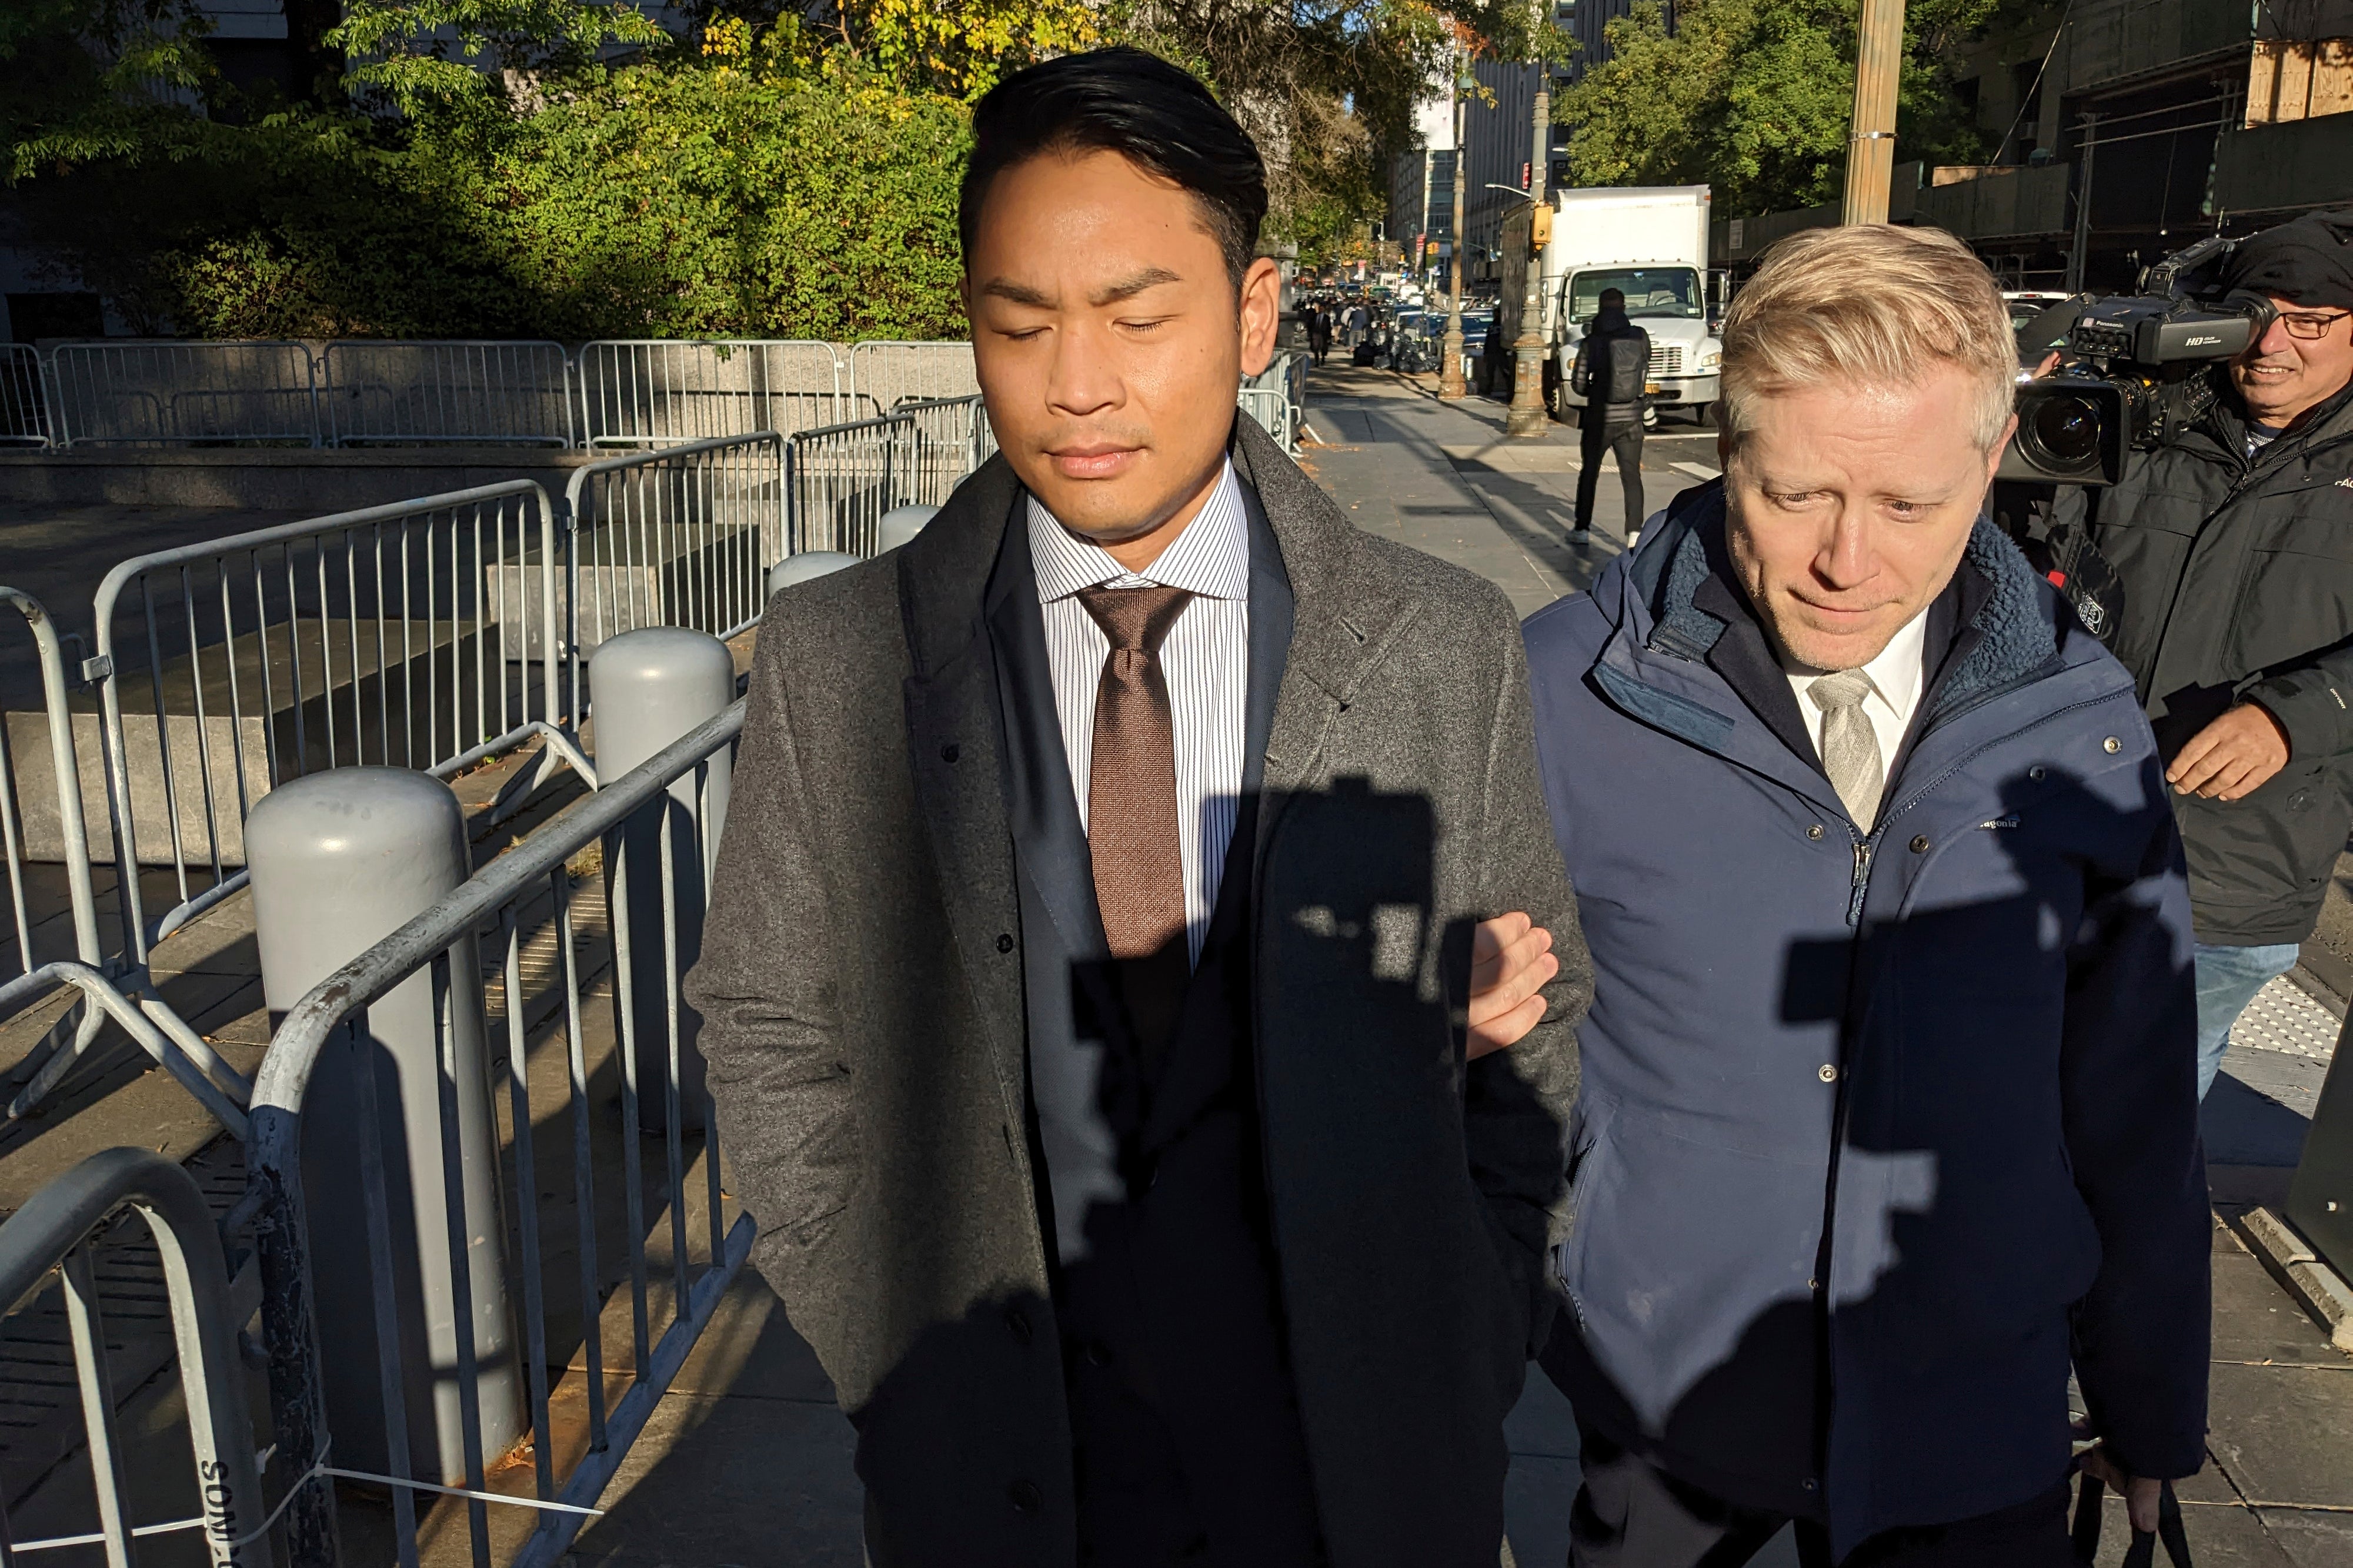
(1206,662)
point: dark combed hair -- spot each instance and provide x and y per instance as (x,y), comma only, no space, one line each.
(1134,103)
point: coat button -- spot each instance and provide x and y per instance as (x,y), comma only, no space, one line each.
(2112,745)
(1807,1483)
(1005,942)
(1827,1073)
(1815,831)
(2037,773)
(1017,1323)
(950,751)
(1024,1496)
(1920,845)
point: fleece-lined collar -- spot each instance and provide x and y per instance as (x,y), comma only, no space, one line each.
(2017,635)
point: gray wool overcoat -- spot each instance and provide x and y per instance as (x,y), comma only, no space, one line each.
(861,985)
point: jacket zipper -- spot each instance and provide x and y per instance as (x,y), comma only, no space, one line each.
(1861,881)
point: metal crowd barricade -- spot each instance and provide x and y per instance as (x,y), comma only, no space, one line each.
(842,478)
(53,906)
(949,433)
(658,392)
(893,373)
(1271,409)
(49,1253)
(42,820)
(682,536)
(24,397)
(672,1220)
(512,394)
(424,634)
(1286,378)
(148,393)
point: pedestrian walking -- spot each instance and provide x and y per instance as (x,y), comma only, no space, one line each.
(1613,362)
(1319,334)
(1124,914)
(2221,570)
(1888,1119)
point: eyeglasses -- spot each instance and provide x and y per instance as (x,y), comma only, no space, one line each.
(2311,326)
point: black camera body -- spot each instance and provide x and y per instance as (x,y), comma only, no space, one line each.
(2150,366)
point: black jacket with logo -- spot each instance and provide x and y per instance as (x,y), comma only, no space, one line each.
(2229,578)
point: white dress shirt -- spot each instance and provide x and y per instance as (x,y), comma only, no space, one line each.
(1896,677)
(1206,662)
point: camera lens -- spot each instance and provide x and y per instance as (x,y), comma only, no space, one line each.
(2063,432)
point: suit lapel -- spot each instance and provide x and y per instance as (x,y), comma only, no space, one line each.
(1340,628)
(1042,801)
(957,748)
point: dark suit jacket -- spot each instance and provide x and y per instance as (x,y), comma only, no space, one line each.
(861,983)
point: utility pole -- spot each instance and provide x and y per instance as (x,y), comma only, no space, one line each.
(1527,416)
(1871,149)
(1450,373)
(2087,137)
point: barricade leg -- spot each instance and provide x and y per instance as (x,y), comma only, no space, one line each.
(400,1160)
(647,689)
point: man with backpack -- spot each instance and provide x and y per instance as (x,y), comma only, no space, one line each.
(1612,363)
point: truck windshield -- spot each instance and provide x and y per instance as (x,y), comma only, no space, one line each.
(1649,291)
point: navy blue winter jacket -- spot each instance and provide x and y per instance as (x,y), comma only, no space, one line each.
(1879,1132)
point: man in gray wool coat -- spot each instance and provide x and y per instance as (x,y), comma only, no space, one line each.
(1132,886)
(1128,901)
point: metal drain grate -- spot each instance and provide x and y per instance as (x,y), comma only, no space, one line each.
(2284,1018)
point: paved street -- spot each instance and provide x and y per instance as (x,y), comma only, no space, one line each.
(1445,479)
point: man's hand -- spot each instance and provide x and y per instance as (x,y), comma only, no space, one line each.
(2232,757)
(2140,1493)
(1511,961)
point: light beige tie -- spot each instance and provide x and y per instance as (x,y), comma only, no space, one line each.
(1850,744)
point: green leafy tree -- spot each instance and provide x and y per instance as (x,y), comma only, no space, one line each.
(1755,97)
(421,53)
(89,79)
(576,168)
(1328,88)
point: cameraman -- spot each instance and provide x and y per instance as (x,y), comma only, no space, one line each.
(2225,561)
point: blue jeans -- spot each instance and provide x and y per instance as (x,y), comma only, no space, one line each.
(2228,979)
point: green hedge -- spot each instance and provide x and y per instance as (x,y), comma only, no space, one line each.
(704,201)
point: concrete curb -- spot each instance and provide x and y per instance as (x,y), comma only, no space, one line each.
(2299,1268)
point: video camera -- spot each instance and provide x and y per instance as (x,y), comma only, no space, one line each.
(2154,364)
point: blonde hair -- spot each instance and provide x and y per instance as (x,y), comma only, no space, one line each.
(1868,305)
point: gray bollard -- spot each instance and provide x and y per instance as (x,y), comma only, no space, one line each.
(808,563)
(647,688)
(340,859)
(899,524)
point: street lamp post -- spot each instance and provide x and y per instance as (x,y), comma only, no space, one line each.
(1527,416)
(1449,373)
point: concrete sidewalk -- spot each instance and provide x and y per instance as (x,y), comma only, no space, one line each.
(1445,479)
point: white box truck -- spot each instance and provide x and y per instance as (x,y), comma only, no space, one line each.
(1649,242)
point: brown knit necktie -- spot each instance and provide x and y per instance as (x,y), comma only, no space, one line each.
(1132,808)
